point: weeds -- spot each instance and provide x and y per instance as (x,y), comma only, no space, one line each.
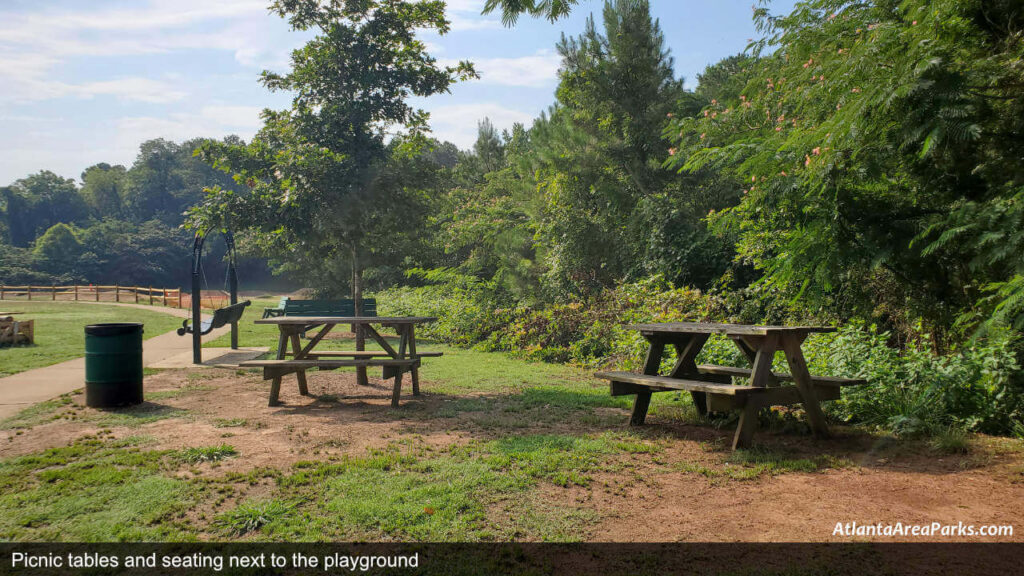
(251,516)
(208,454)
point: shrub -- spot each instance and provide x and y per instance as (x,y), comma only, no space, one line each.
(910,392)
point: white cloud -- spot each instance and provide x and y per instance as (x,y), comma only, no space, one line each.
(212,121)
(139,89)
(456,123)
(242,117)
(535,71)
(35,44)
(466,15)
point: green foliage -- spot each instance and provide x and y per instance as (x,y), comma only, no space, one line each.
(322,186)
(35,203)
(911,391)
(511,9)
(876,141)
(121,227)
(610,212)
(104,189)
(952,440)
(916,392)
(58,249)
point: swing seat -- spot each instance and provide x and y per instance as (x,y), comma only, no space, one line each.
(221,317)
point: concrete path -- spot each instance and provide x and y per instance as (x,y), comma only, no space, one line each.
(26,388)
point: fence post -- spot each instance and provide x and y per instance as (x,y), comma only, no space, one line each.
(28,291)
(136,289)
(1,291)
(96,289)
(150,295)
(53,291)
(117,292)
(76,292)
(165,297)
(179,297)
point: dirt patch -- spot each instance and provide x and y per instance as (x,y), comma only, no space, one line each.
(690,488)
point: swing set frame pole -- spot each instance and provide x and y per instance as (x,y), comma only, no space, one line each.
(197,297)
(229,240)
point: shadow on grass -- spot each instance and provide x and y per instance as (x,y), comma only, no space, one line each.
(138,415)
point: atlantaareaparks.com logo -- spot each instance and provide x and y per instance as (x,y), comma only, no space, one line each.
(924,530)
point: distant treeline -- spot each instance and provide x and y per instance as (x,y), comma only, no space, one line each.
(117,225)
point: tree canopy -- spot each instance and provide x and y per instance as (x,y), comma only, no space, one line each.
(321,182)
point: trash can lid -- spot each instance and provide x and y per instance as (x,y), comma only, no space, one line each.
(113,328)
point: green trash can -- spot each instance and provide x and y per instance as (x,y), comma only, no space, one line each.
(113,365)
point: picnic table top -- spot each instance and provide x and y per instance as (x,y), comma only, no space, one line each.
(727,329)
(305,320)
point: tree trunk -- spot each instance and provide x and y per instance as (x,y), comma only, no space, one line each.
(357,299)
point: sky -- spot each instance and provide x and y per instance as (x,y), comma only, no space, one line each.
(87,82)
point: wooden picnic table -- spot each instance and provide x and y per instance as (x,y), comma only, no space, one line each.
(395,362)
(711,386)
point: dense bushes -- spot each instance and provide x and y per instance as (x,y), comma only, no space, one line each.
(911,391)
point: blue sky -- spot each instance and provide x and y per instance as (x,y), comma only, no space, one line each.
(87,82)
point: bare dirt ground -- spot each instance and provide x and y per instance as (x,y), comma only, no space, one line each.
(687,491)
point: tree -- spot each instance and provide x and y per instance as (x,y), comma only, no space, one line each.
(322,185)
(611,212)
(57,251)
(37,202)
(103,188)
(880,143)
(155,182)
(511,9)
(485,220)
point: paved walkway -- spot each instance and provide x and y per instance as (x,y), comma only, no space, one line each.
(26,388)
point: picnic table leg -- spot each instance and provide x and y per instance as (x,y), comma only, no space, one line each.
(760,352)
(275,383)
(747,424)
(361,376)
(651,366)
(402,345)
(686,365)
(412,352)
(802,378)
(301,374)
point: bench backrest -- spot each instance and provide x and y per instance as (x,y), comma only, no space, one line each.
(345,307)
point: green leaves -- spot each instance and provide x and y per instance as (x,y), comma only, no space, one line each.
(866,124)
(325,190)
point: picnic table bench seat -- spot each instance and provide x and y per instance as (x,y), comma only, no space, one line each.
(746,372)
(362,354)
(275,367)
(665,383)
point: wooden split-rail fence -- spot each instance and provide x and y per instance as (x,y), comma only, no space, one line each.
(172,297)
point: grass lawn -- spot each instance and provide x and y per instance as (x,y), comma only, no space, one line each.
(59,330)
(497,448)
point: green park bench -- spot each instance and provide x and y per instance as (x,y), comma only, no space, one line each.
(343,307)
(278,311)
